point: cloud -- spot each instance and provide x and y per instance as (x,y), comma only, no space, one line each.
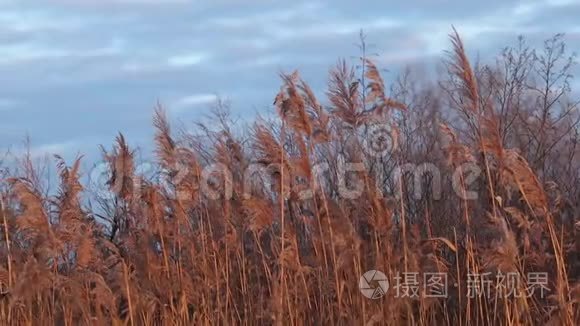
(35,20)
(529,8)
(23,54)
(192,101)
(140,66)
(26,52)
(40,151)
(104,63)
(561,2)
(186,59)
(54,148)
(118,2)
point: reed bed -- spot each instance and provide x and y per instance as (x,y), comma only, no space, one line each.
(276,222)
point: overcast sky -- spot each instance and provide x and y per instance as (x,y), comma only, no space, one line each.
(75,72)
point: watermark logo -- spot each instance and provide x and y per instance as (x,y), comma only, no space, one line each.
(216,181)
(381,140)
(373,284)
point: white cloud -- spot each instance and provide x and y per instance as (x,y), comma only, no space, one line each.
(49,149)
(265,60)
(29,52)
(558,3)
(155,2)
(267,17)
(194,100)
(185,60)
(54,148)
(137,67)
(530,8)
(149,65)
(46,20)
(120,2)
(31,21)
(331,28)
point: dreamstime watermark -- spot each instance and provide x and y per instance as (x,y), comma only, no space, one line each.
(374,284)
(215,181)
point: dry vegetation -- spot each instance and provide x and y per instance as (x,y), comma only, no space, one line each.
(159,251)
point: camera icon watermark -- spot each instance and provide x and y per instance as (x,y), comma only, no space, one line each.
(373,284)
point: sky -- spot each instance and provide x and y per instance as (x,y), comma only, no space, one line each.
(73,73)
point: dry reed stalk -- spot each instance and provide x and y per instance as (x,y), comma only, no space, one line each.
(7,239)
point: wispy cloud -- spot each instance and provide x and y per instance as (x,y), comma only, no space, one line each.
(65,56)
(11,54)
(192,101)
(186,59)
(36,20)
(48,149)
(120,2)
(54,148)
(172,62)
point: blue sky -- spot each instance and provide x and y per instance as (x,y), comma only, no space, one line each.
(73,73)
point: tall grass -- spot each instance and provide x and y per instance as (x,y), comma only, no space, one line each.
(258,229)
